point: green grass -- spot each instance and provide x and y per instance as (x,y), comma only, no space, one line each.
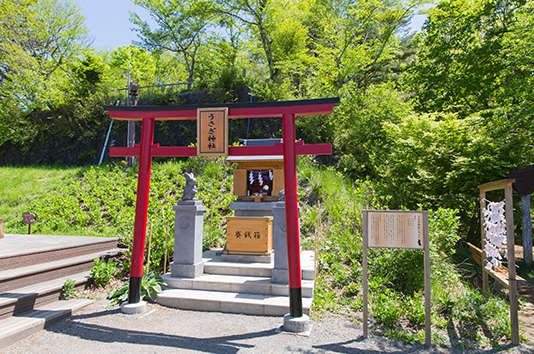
(21,186)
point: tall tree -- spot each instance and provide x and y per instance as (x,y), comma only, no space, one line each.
(462,58)
(277,25)
(355,41)
(39,38)
(181,27)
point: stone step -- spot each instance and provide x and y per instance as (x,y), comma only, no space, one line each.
(26,250)
(25,276)
(27,298)
(236,284)
(214,265)
(18,327)
(229,302)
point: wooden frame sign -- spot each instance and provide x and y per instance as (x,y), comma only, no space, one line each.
(212,131)
(396,229)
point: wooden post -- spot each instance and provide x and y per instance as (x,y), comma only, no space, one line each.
(365,280)
(1,229)
(485,279)
(514,321)
(526,226)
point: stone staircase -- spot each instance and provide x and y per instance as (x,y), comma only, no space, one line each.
(33,270)
(237,287)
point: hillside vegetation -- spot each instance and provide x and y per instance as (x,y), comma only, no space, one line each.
(100,201)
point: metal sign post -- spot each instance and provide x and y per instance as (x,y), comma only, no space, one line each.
(396,229)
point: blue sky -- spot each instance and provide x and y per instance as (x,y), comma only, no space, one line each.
(109,24)
(108,21)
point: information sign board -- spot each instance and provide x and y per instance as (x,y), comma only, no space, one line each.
(395,229)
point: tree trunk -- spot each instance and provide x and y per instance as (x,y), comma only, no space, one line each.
(527,229)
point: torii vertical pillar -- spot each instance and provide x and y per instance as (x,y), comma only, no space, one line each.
(141,211)
(292,222)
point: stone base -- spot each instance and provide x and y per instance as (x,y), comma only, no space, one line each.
(133,309)
(297,324)
(247,258)
(280,276)
(187,270)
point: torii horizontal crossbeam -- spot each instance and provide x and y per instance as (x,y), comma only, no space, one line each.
(235,110)
(186,151)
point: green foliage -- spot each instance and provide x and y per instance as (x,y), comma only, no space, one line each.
(21,187)
(438,161)
(44,37)
(444,224)
(387,307)
(464,61)
(151,286)
(102,272)
(396,283)
(415,309)
(120,295)
(101,202)
(400,269)
(68,291)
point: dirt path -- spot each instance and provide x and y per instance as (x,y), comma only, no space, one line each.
(526,312)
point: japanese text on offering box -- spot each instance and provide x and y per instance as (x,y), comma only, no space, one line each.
(395,229)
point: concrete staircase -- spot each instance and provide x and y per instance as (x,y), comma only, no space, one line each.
(33,270)
(237,287)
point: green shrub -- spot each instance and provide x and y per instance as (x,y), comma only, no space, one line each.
(415,309)
(151,285)
(387,307)
(102,272)
(68,290)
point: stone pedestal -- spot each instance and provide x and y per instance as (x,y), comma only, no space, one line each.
(253,208)
(280,271)
(297,324)
(133,309)
(188,225)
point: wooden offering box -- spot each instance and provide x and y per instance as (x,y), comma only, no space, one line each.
(249,235)
(258,178)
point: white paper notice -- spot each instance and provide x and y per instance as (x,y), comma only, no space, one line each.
(395,229)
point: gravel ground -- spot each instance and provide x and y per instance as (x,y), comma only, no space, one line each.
(101,329)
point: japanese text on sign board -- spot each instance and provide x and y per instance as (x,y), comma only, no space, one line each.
(213,131)
(395,229)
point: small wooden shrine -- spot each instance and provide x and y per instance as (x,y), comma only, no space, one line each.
(258,178)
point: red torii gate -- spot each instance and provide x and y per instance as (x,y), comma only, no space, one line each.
(287,110)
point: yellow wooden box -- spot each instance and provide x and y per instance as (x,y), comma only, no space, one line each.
(249,235)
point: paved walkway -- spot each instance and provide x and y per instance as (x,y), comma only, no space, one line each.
(12,245)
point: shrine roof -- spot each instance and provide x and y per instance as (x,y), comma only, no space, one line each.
(235,110)
(524,180)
